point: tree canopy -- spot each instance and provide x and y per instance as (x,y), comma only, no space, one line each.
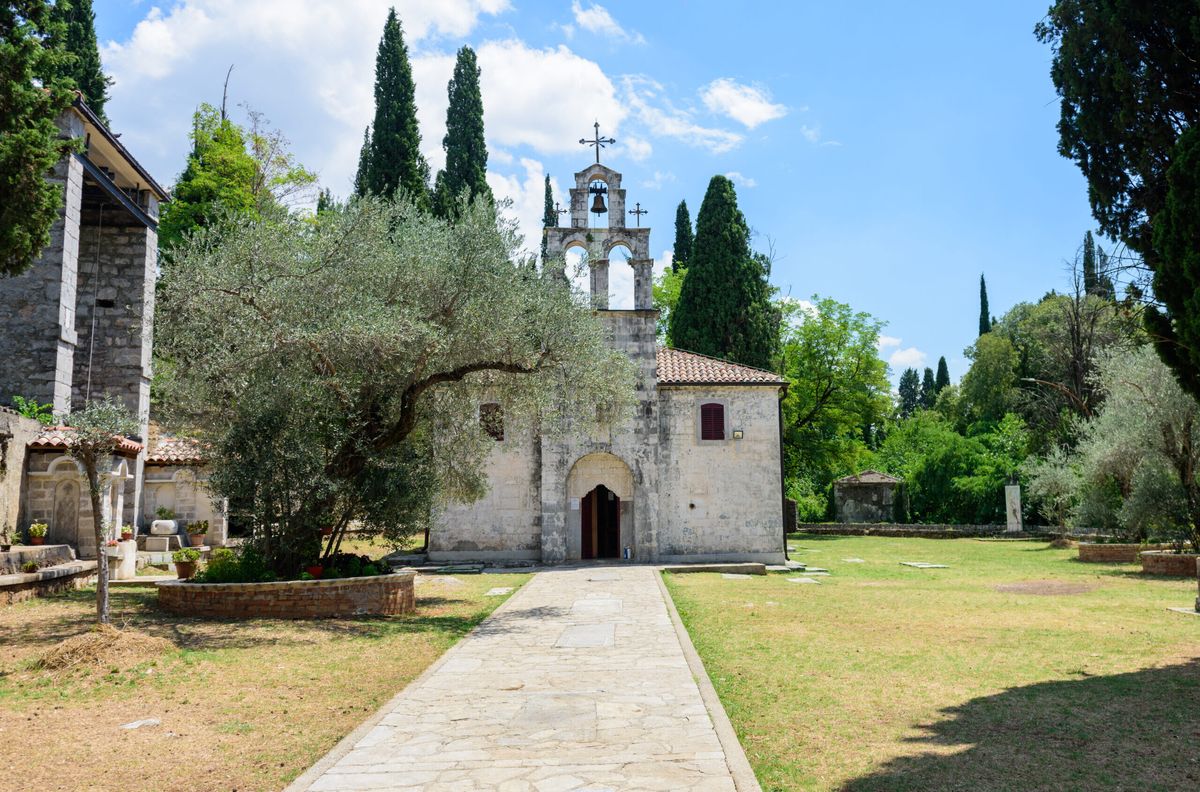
(83,67)
(465,174)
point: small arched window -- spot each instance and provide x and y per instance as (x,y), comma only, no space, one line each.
(491,418)
(712,421)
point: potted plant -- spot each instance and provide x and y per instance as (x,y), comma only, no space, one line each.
(126,533)
(37,533)
(196,532)
(185,561)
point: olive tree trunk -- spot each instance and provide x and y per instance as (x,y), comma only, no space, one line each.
(93,477)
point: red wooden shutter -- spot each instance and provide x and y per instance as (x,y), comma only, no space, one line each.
(712,421)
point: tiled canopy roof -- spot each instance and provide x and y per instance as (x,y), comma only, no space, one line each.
(869,477)
(676,367)
(59,437)
(175,451)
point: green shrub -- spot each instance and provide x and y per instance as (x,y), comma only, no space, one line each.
(228,566)
(186,554)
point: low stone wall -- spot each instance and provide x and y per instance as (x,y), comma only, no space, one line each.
(19,587)
(1159,562)
(1113,553)
(378,595)
(915,531)
(43,555)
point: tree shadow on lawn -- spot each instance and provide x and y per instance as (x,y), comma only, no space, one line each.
(1137,730)
(807,537)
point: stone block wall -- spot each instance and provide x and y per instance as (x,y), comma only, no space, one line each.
(184,490)
(381,595)
(15,434)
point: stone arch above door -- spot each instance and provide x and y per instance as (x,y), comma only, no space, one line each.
(600,468)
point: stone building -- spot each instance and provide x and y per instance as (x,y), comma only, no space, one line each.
(176,478)
(693,475)
(867,497)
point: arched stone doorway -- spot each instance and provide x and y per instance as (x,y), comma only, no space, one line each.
(600,520)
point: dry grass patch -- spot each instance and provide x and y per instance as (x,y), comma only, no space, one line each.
(892,678)
(243,705)
(104,646)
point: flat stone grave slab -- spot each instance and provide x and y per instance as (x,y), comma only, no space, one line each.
(793,564)
(587,636)
(923,565)
(816,573)
(597,606)
(735,568)
(810,570)
(854,561)
(499,591)
(803,580)
(734,576)
(1188,611)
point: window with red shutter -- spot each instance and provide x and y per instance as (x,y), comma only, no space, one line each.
(491,418)
(712,421)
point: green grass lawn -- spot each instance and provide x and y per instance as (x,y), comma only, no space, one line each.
(885,677)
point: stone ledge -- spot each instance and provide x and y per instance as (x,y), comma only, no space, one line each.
(729,569)
(48,573)
(378,595)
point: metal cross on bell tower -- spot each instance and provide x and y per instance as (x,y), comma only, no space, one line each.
(558,211)
(638,212)
(597,141)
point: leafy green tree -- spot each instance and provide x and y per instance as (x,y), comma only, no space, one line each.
(83,68)
(665,291)
(725,307)
(466,150)
(337,364)
(989,387)
(943,375)
(837,395)
(985,318)
(31,99)
(910,392)
(682,252)
(928,389)
(391,159)
(1126,74)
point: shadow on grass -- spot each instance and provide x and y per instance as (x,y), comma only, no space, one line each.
(807,537)
(1127,731)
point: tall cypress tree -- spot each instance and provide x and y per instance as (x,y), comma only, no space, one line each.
(928,389)
(910,392)
(683,238)
(943,375)
(985,318)
(1089,264)
(549,216)
(466,150)
(79,39)
(724,307)
(392,159)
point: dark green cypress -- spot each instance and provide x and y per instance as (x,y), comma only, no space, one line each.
(1089,264)
(684,238)
(724,307)
(549,216)
(466,150)
(910,396)
(84,68)
(928,389)
(943,375)
(985,318)
(392,157)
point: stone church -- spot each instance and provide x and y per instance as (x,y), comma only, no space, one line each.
(694,475)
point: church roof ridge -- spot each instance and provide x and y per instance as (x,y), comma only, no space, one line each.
(681,367)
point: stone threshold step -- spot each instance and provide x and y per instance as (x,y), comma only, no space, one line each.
(748,568)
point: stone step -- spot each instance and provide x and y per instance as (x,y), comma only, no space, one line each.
(729,569)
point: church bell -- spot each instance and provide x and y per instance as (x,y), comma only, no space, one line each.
(598,206)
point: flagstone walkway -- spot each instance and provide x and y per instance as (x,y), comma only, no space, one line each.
(579,682)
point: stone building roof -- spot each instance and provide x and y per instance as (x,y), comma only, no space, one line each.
(59,437)
(869,477)
(677,367)
(175,451)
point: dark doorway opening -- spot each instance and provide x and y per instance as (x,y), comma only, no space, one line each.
(601,524)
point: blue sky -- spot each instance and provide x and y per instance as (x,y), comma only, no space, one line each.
(888,153)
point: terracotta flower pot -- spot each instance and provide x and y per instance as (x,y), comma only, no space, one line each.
(316,570)
(196,540)
(185,569)
(37,540)
(125,537)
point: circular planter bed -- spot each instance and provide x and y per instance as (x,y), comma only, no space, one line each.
(378,595)
(1102,553)
(1162,562)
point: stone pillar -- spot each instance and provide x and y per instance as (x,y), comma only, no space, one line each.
(599,272)
(643,283)
(1012,506)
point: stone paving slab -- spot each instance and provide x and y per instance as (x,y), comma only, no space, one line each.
(579,682)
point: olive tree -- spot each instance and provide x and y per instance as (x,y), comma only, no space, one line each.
(337,364)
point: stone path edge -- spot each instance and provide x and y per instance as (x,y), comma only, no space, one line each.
(735,756)
(347,743)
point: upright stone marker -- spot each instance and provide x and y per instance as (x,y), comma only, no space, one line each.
(1012,506)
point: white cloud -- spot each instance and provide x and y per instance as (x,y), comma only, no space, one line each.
(596,19)
(740,180)
(886,342)
(527,191)
(644,97)
(749,105)
(657,181)
(811,134)
(907,357)
(633,147)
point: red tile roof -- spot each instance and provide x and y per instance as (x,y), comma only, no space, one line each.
(869,477)
(175,451)
(56,437)
(676,367)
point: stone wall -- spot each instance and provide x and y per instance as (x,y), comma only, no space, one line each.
(1167,563)
(56,493)
(15,433)
(381,595)
(721,499)
(1113,553)
(917,531)
(184,490)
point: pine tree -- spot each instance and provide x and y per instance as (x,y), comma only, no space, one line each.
(928,389)
(325,201)
(725,307)
(910,392)
(549,216)
(683,238)
(79,39)
(985,318)
(466,150)
(943,375)
(1089,264)
(392,159)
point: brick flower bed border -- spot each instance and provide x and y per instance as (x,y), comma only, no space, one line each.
(1158,562)
(1099,553)
(378,595)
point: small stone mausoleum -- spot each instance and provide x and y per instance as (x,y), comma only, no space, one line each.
(867,497)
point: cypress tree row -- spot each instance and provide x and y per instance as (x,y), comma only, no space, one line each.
(683,238)
(985,318)
(391,158)
(466,150)
(943,375)
(724,307)
(79,39)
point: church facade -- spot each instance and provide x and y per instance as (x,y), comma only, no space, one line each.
(694,475)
